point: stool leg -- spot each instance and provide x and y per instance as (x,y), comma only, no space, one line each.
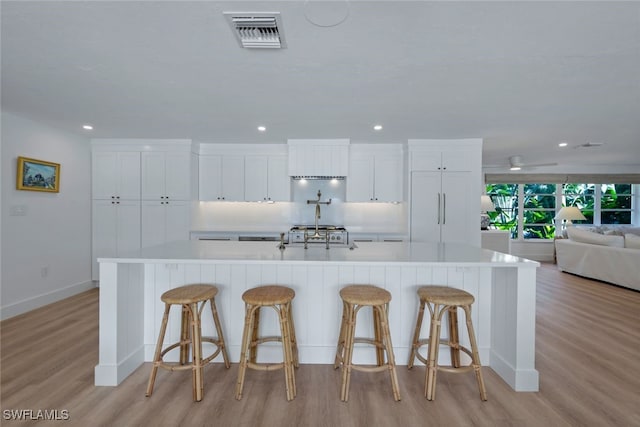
(377,334)
(244,349)
(289,373)
(185,333)
(339,359)
(434,345)
(196,341)
(474,351)
(383,319)
(253,349)
(416,336)
(350,328)
(221,342)
(157,358)
(454,340)
(294,341)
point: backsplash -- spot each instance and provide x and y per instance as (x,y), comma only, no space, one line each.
(280,216)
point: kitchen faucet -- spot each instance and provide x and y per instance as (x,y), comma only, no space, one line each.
(317,202)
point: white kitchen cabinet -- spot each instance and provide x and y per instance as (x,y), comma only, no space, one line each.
(445,190)
(375,173)
(221,178)
(266,178)
(164,221)
(115,175)
(166,175)
(318,157)
(115,229)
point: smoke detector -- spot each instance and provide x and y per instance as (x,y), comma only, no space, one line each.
(257,30)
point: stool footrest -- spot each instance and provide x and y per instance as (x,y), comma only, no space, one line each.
(265,366)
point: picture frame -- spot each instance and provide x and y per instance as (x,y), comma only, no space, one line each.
(38,175)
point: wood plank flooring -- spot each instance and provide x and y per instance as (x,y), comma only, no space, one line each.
(587,353)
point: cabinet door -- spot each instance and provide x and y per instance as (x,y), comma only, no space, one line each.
(153,175)
(388,179)
(430,160)
(128,214)
(153,223)
(460,216)
(233,178)
(256,178)
(178,175)
(210,177)
(177,220)
(426,205)
(115,174)
(361,178)
(459,161)
(104,230)
(115,229)
(279,182)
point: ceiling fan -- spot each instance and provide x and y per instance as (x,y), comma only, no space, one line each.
(516,163)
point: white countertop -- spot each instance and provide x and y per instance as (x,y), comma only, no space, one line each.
(194,251)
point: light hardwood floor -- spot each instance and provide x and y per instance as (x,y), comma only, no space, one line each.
(587,353)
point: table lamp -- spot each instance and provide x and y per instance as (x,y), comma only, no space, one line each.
(486,205)
(568,214)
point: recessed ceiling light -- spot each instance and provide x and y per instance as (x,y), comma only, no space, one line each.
(262,128)
(87,127)
(563,144)
(377,127)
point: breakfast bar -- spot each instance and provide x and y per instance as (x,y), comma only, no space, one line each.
(503,315)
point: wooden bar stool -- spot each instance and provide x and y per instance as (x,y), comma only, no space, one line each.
(279,298)
(441,299)
(192,298)
(354,297)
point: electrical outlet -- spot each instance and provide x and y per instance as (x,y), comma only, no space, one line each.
(44,271)
(18,210)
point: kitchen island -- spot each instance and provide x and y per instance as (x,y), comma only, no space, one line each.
(131,310)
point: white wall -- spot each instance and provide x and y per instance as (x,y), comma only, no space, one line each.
(46,253)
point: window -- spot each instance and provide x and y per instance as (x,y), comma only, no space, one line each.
(539,210)
(599,203)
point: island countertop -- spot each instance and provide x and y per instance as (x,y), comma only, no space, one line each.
(195,251)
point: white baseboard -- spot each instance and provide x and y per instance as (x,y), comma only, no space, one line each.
(38,301)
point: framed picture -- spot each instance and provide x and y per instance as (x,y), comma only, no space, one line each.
(38,175)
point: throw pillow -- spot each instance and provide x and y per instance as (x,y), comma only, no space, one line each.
(584,236)
(631,241)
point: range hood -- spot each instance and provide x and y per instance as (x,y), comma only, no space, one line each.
(318,177)
(318,158)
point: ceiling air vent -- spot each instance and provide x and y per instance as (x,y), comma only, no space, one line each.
(257,30)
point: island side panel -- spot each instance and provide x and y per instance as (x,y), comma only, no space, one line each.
(513,327)
(121,327)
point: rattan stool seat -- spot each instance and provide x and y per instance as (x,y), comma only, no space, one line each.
(268,295)
(355,297)
(365,295)
(445,295)
(189,294)
(193,299)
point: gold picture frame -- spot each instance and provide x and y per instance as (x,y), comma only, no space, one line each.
(38,175)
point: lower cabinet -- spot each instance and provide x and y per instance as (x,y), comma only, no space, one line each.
(165,221)
(115,229)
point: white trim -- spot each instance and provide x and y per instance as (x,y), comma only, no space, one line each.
(38,301)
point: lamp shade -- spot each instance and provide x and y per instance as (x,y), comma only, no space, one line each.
(486,205)
(570,213)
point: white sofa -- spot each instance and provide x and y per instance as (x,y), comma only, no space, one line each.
(609,256)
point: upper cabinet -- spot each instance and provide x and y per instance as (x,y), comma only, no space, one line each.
(222,177)
(116,175)
(375,173)
(166,175)
(318,157)
(266,178)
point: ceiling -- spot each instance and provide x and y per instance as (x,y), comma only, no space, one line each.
(523,76)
